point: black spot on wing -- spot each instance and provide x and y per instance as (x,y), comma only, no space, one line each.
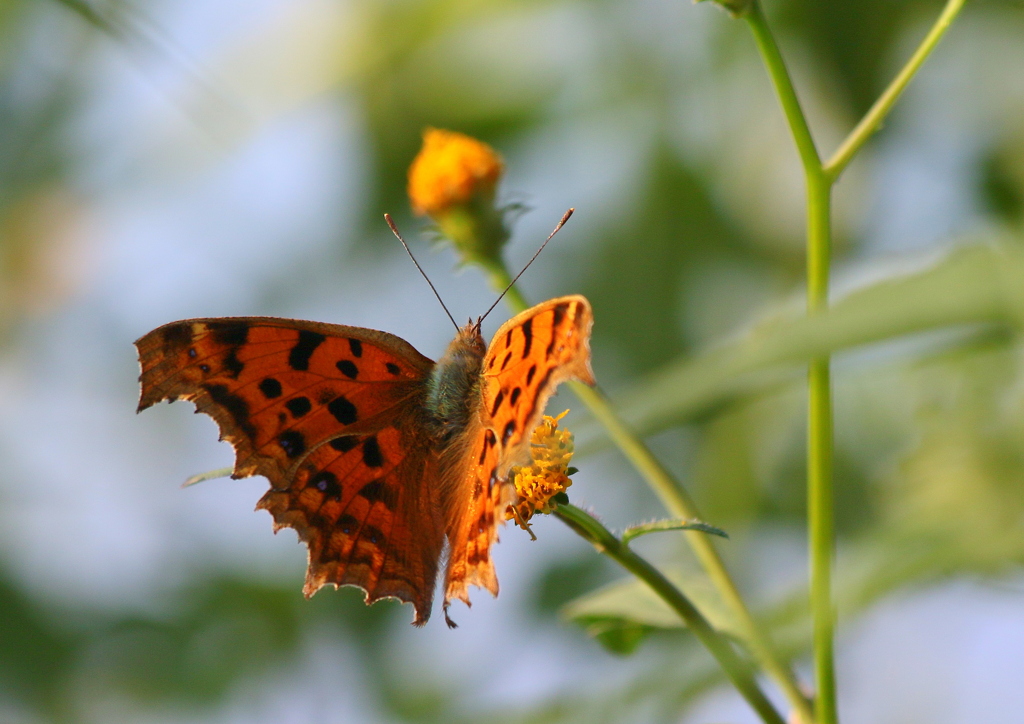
(497,402)
(392,368)
(298,357)
(235,406)
(348,368)
(299,406)
(292,442)
(327,483)
(489,441)
(347,524)
(527,337)
(372,456)
(345,443)
(177,335)
(374,535)
(492,480)
(231,333)
(270,388)
(356,346)
(377,491)
(514,397)
(343,410)
(540,386)
(558,313)
(529,375)
(232,365)
(504,362)
(510,428)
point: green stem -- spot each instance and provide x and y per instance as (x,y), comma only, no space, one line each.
(820,513)
(877,113)
(820,509)
(679,503)
(738,670)
(772,57)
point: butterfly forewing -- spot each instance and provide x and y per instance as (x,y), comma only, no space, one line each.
(330,415)
(529,356)
(276,388)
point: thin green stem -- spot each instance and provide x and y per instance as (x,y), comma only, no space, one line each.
(736,668)
(772,57)
(679,503)
(877,113)
(820,509)
(820,513)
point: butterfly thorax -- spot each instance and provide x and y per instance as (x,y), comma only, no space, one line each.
(453,383)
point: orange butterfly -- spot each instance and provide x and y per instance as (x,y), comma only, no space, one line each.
(375,454)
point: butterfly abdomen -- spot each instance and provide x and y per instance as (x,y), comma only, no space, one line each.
(453,385)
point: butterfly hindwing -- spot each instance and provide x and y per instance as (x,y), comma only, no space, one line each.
(329,414)
(529,356)
(364,506)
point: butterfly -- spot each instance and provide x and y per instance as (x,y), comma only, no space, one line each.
(375,454)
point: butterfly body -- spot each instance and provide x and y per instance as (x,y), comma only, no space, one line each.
(453,385)
(375,454)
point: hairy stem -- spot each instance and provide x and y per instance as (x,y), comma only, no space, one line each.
(738,670)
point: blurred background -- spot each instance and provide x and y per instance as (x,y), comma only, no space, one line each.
(167,159)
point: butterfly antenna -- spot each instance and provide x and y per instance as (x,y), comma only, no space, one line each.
(565,217)
(394,230)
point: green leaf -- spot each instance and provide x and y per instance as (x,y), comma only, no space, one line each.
(978,284)
(677,524)
(620,615)
(208,475)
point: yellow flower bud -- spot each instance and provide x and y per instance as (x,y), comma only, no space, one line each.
(450,170)
(453,180)
(546,476)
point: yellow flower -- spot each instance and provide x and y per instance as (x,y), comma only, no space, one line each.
(546,476)
(450,170)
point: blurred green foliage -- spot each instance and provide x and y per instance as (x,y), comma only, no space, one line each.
(696,329)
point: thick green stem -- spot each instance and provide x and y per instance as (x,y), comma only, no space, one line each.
(738,670)
(819,179)
(874,117)
(679,503)
(820,512)
(820,509)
